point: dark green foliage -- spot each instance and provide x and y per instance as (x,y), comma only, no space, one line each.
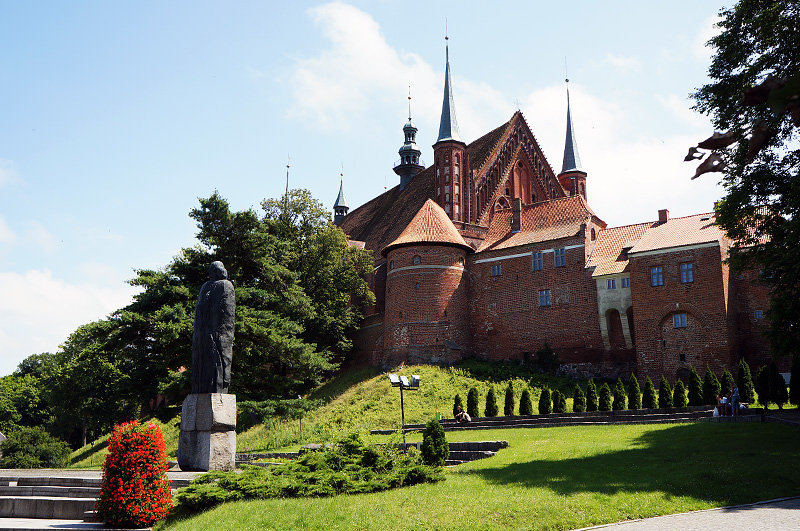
(634,393)
(695,388)
(649,400)
(591,396)
(547,359)
(491,404)
(33,447)
(545,403)
(665,393)
(744,380)
(578,400)
(711,387)
(620,396)
(525,403)
(351,467)
(679,395)
(508,407)
(762,386)
(472,403)
(559,402)
(435,448)
(605,398)
(726,382)
(777,386)
(457,404)
(794,381)
(249,413)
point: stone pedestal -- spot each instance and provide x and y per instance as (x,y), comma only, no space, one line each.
(208,432)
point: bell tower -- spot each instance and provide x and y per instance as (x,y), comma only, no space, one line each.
(410,162)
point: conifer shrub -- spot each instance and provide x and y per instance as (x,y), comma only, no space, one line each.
(457,403)
(525,403)
(620,396)
(559,402)
(545,403)
(591,396)
(634,393)
(726,382)
(649,400)
(679,394)
(135,491)
(33,447)
(472,403)
(762,385)
(794,381)
(695,388)
(711,387)
(665,393)
(744,380)
(578,400)
(777,386)
(605,398)
(508,407)
(435,448)
(491,404)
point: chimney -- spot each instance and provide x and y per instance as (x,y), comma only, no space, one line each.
(516,214)
(663,215)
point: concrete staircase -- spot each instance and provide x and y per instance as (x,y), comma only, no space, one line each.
(464,452)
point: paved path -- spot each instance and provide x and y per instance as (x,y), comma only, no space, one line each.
(771,515)
(25,524)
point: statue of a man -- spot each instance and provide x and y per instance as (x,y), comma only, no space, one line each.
(212,341)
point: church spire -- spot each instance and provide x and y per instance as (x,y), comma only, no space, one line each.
(448,126)
(410,163)
(572,160)
(340,207)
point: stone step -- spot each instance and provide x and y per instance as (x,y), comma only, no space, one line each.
(464,456)
(55,481)
(53,491)
(492,446)
(45,507)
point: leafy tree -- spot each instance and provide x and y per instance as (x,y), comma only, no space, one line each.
(726,383)
(547,359)
(762,386)
(559,402)
(605,397)
(665,394)
(33,447)
(508,408)
(435,448)
(777,386)
(650,400)
(620,396)
(747,391)
(753,99)
(679,395)
(711,387)
(634,393)
(578,400)
(491,404)
(525,403)
(591,396)
(457,404)
(21,402)
(794,381)
(695,388)
(545,403)
(472,403)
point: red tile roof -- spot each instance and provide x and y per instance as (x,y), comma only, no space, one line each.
(608,256)
(679,232)
(430,225)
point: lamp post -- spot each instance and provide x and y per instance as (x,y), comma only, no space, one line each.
(404,384)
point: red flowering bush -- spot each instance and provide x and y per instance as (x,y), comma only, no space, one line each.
(135,491)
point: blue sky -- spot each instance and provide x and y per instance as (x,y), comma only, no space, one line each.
(117,116)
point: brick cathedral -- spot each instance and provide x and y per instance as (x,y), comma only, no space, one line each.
(489,253)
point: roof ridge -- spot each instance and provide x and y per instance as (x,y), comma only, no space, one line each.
(631,225)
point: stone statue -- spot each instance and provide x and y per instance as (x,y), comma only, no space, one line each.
(212,341)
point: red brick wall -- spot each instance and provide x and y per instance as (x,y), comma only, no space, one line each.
(751,295)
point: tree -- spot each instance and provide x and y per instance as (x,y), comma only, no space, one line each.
(665,393)
(753,99)
(762,386)
(578,400)
(457,404)
(620,396)
(545,403)
(591,396)
(525,403)
(435,448)
(650,400)
(695,388)
(679,395)
(559,402)
(491,404)
(508,407)
(605,398)
(794,381)
(777,386)
(727,382)
(472,403)
(711,387)
(634,393)
(33,447)
(747,391)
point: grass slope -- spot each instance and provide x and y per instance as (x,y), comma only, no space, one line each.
(556,478)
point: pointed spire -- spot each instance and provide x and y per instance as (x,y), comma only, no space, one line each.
(448,126)
(340,200)
(572,160)
(340,207)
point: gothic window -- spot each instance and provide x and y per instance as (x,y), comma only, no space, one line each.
(456,159)
(594,235)
(391,264)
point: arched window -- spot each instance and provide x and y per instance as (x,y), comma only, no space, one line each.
(417,259)
(391,264)
(594,235)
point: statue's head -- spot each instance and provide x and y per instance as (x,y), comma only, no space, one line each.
(217,271)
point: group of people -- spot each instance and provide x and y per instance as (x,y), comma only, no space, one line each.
(461,415)
(728,405)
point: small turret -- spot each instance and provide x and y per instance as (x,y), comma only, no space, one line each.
(572,176)
(340,207)
(410,162)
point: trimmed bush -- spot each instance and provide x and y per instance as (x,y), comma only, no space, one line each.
(679,394)
(508,407)
(695,388)
(605,398)
(649,400)
(559,402)
(135,491)
(578,400)
(665,393)
(33,447)
(777,386)
(547,359)
(545,405)
(744,380)
(491,404)
(634,393)
(457,404)
(620,396)
(525,403)
(762,385)
(591,396)
(711,387)
(472,403)
(794,382)
(434,444)
(726,382)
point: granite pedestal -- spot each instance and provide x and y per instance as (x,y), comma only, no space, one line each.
(208,432)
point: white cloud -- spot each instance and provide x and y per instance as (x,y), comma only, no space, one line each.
(38,235)
(624,63)
(681,109)
(700,48)
(38,311)
(6,234)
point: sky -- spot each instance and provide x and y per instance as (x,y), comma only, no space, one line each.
(115,117)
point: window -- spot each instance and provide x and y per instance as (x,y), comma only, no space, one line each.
(626,282)
(657,276)
(416,286)
(460,261)
(391,264)
(544,297)
(496,269)
(561,257)
(537,261)
(417,260)
(687,273)
(679,320)
(612,283)
(759,314)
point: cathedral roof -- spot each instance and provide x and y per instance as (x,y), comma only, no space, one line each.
(430,225)
(679,232)
(547,220)
(610,250)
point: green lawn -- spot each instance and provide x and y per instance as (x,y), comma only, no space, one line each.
(557,478)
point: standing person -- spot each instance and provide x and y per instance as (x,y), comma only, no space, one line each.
(735,401)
